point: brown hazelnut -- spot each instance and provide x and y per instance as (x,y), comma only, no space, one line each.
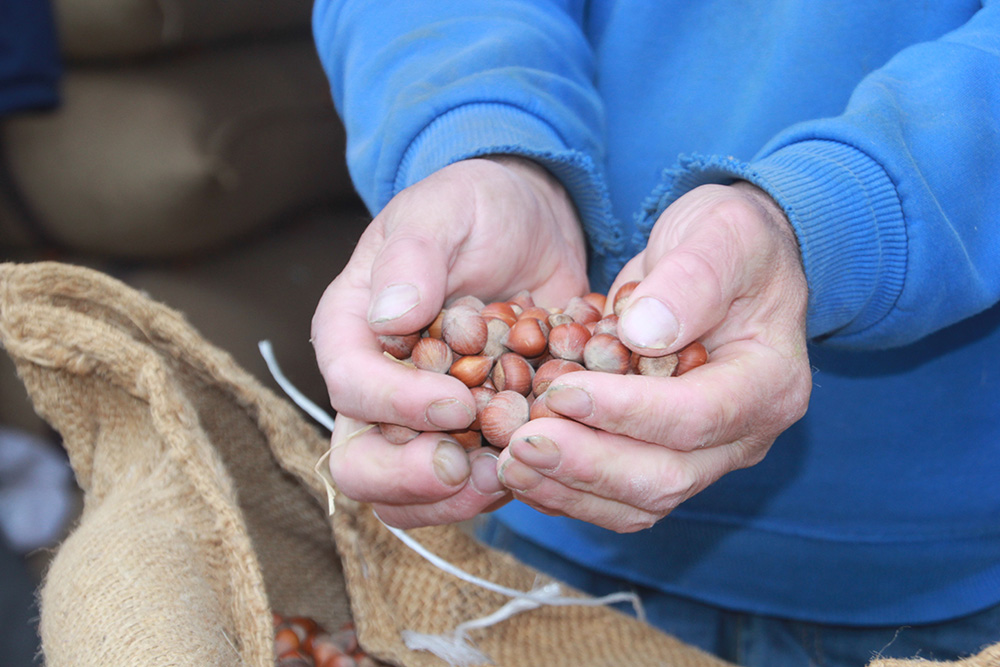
(607,324)
(549,371)
(464,330)
(597,300)
(504,414)
(472,370)
(581,311)
(400,347)
(622,296)
(566,341)
(499,310)
(607,354)
(527,338)
(512,372)
(482,395)
(663,367)
(432,354)
(692,356)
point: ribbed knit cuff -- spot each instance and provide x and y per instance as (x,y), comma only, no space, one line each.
(847,215)
(845,211)
(490,128)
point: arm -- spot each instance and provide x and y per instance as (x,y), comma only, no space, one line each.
(895,201)
(423,89)
(894,207)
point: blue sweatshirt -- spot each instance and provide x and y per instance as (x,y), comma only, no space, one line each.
(876,126)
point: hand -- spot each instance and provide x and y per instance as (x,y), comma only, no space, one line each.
(488,228)
(722,266)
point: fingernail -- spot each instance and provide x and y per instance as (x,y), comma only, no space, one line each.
(569,401)
(518,477)
(484,474)
(392,302)
(451,464)
(648,323)
(536,451)
(449,414)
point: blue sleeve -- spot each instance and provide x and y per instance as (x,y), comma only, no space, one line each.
(896,202)
(420,85)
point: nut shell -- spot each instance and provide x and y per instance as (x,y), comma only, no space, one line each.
(549,371)
(504,414)
(567,341)
(464,329)
(622,296)
(472,370)
(527,338)
(432,354)
(512,372)
(607,354)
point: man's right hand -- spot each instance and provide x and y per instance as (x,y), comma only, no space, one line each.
(485,227)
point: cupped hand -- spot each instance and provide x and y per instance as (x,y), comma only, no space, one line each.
(722,266)
(484,227)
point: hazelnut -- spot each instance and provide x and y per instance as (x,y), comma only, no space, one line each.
(566,341)
(581,311)
(663,367)
(434,328)
(400,347)
(504,414)
(468,301)
(464,330)
(432,354)
(555,319)
(540,410)
(549,371)
(512,372)
(607,324)
(497,331)
(527,338)
(537,312)
(597,300)
(499,310)
(472,370)
(622,296)
(522,300)
(482,395)
(468,439)
(692,356)
(607,354)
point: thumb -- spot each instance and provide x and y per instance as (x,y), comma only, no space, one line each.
(697,264)
(409,277)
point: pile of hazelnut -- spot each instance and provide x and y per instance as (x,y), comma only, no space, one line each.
(300,641)
(508,352)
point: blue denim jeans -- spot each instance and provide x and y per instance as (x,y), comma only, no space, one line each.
(760,641)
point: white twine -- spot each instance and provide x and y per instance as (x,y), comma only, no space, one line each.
(455,648)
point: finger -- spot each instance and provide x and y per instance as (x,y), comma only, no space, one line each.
(746,388)
(409,276)
(368,385)
(560,467)
(700,258)
(429,469)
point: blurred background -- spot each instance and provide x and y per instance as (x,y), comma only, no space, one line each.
(188,148)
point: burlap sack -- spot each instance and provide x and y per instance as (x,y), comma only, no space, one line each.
(179,156)
(202,511)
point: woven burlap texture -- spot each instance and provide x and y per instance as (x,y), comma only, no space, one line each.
(202,512)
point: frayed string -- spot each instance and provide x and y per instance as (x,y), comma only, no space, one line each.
(455,648)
